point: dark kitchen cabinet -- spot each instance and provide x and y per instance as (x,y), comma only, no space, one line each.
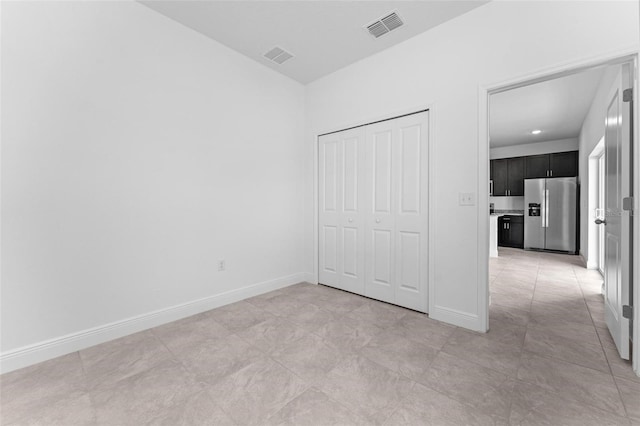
(516,176)
(557,164)
(500,176)
(563,164)
(511,231)
(537,166)
(507,175)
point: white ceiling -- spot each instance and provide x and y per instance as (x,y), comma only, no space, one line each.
(557,107)
(324,36)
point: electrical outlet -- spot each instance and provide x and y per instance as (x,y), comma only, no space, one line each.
(221,265)
(466,199)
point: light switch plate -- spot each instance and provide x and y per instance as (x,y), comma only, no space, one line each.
(467,198)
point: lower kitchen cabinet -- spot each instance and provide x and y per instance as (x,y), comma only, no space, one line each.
(511,231)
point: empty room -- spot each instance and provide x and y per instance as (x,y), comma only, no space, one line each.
(319,212)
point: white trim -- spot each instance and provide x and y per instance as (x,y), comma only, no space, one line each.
(483,210)
(636,219)
(588,264)
(543,74)
(42,351)
(593,171)
(455,317)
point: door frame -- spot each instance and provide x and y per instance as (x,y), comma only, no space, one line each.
(430,107)
(484,91)
(593,231)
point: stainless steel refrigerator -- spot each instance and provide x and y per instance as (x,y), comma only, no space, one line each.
(550,217)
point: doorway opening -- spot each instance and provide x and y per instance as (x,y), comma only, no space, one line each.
(548,185)
(595,235)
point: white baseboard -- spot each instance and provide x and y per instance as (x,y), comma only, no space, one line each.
(451,316)
(42,351)
(587,264)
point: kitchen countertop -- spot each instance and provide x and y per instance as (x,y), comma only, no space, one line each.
(508,212)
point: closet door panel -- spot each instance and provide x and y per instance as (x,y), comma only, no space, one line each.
(382,171)
(351,167)
(329,215)
(341,226)
(409,170)
(352,255)
(329,172)
(411,220)
(379,220)
(409,261)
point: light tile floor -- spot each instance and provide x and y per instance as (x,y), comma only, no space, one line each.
(312,355)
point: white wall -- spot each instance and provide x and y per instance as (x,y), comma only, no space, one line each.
(444,67)
(544,147)
(590,134)
(135,154)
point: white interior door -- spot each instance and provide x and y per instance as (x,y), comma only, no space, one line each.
(396,211)
(410,211)
(617,221)
(379,220)
(341,192)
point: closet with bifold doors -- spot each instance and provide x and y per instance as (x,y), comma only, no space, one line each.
(373,205)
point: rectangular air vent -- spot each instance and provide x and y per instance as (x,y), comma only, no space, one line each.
(278,55)
(385,24)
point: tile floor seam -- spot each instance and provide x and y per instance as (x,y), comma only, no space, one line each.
(624,406)
(397,405)
(330,397)
(309,386)
(551,357)
(454,398)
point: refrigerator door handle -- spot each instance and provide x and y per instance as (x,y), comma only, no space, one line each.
(546,208)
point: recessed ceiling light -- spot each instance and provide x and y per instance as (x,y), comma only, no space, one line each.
(536,132)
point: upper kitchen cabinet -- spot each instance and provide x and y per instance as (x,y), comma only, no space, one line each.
(500,176)
(507,176)
(563,164)
(537,166)
(558,164)
(516,176)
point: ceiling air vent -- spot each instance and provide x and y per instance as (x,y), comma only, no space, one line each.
(383,25)
(278,55)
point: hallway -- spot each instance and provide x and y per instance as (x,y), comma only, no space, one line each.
(552,306)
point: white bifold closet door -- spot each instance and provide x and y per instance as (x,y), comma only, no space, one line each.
(341,217)
(373,210)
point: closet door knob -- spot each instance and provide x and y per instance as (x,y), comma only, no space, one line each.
(377,220)
(350,220)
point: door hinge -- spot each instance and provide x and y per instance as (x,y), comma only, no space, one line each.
(627,95)
(627,311)
(627,204)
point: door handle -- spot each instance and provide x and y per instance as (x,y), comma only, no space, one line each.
(350,220)
(377,220)
(600,222)
(546,208)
